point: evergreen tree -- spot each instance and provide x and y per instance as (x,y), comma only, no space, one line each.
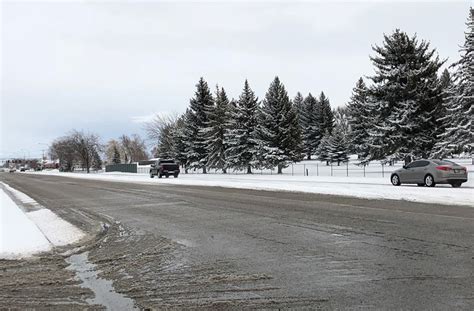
(333,147)
(359,120)
(324,149)
(217,128)
(298,103)
(96,160)
(327,117)
(310,124)
(242,135)
(279,128)
(457,136)
(116,155)
(180,140)
(406,94)
(196,121)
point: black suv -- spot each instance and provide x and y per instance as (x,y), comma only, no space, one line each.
(165,167)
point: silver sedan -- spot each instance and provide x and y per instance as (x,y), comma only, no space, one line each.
(429,173)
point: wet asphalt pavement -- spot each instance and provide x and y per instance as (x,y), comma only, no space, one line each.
(302,250)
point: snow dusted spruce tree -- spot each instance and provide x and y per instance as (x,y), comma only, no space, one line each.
(334,146)
(180,140)
(216,132)
(310,124)
(196,121)
(457,124)
(298,103)
(327,116)
(360,120)
(407,95)
(279,129)
(242,135)
(116,155)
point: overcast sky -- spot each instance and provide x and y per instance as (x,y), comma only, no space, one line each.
(104,66)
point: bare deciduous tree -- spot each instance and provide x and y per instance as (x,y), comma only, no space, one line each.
(86,147)
(133,148)
(161,131)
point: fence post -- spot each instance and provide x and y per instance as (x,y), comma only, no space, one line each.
(304,169)
(347,168)
(364,169)
(331,168)
(292,169)
(382,171)
(317,169)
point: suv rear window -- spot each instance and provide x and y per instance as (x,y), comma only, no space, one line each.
(167,161)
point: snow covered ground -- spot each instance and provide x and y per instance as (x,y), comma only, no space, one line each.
(18,233)
(23,234)
(372,188)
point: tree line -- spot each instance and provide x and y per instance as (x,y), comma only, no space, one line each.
(404,111)
(84,150)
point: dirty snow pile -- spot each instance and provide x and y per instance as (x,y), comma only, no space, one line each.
(23,234)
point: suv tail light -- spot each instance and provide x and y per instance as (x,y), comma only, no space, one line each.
(443,168)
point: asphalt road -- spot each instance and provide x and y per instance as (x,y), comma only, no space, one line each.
(271,249)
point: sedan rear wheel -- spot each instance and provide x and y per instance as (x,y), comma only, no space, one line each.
(429,181)
(456,184)
(395,180)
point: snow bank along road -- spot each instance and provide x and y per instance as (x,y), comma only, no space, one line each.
(371,188)
(170,246)
(33,228)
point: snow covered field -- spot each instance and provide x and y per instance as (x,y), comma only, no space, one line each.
(372,188)
(23,234)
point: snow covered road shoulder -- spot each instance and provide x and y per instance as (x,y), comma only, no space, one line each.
(22,234)
(369,188)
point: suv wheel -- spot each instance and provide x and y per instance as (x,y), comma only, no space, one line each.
(456,184)
(151,175)
(159,175)
(429,181)
(395,180)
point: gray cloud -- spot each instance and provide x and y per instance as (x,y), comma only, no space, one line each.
(104,66)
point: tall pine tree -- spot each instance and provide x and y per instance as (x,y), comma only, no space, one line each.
(242,135)
(279,129)
(216,132)
(196,123)
(458,130)
(360,120)
(406,93)
(327,117)
(310,123)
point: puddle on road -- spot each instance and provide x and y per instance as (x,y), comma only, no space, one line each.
(103,289)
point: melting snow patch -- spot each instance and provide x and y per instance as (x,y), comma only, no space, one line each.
(58,231)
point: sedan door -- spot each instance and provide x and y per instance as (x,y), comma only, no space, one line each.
(420,171)
(408,174)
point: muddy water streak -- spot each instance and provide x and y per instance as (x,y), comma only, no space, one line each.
(103,290)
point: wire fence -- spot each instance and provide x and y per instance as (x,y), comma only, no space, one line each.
(317,168)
